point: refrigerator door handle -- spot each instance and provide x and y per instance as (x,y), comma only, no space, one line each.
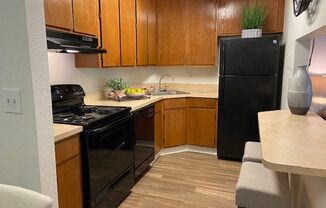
(222,58)
(221,92)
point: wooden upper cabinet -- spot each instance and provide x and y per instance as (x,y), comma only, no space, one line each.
(58,13)
(229,14)
(110,24)
(86,16)
(275,16)
(146,32)
(142,32)
(152,32)
(128,32)
(201,32)
(171,32)
(230,11)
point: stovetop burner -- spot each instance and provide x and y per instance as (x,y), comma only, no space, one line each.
(69,108)
(86,117)
(65,115)
(88,108)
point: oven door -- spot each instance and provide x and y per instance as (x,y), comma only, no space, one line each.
(107,152)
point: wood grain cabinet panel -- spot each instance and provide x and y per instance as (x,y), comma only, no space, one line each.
(58,13)
(128,32)
(69,180)
(152,32)
(86,16)
(158,124)
(175,127)
(110,24)
(202,122)
(201,32)
(202,127)
(69,184)
(230,11)
(171,32)
(146,32)
(142,32)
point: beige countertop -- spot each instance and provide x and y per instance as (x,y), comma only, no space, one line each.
(97,99)
(62,131)
(292,143)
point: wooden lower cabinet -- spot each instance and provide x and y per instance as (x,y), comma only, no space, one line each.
(185,121)
(69,179)
(175,122)
(201,127)
(202,122)
(158,123)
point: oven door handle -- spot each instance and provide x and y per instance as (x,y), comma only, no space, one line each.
(109,126)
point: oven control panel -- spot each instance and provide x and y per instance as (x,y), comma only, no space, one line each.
(64,92)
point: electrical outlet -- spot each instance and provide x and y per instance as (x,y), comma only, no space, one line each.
(12,102)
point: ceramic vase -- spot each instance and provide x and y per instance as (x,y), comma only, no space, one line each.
(300,91)
(251,33)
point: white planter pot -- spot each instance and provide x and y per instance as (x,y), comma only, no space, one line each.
(252,33)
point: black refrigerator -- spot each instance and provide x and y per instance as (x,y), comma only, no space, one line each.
(250,78)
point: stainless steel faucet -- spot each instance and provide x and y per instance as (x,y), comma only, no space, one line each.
(160,82)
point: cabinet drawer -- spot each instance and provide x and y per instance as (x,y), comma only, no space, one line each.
(202,103)
(67,149)
(175,103)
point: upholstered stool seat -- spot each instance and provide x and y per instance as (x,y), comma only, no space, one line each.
(252,152)
(259,187)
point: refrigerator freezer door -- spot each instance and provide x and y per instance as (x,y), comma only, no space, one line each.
(240,99)
(250,56)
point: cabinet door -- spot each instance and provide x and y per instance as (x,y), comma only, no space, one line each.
(275,16)
(86,16)
(175,127)
(69,183)
(229,15)
(230,11)
(128,32)
(146,32)
(202,127)
(201,32)
(58,13)
(142,32)
(171,32)
(110,25)
(158,123)
(152,32)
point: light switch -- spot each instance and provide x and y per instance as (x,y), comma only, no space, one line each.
(11,99)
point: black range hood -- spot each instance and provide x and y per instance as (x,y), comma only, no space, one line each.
(63,42)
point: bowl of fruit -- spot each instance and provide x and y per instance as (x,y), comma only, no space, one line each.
(135,93)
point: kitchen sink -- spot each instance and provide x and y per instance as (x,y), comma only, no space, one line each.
(169,92)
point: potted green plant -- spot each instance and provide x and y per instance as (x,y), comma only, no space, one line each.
(117,85)
(253,18)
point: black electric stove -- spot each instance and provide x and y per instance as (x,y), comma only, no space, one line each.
(107,145)
(69,108)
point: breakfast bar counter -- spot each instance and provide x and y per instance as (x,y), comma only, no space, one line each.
(292,143)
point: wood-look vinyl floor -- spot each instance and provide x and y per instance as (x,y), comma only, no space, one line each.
(186,180)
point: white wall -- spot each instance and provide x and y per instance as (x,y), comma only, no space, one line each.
(63,71)
(294,29)
(309,192)
(26,140)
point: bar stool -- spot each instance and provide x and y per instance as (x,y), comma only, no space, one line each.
(259,187)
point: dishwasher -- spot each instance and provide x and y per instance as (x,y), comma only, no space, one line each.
(144,140)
